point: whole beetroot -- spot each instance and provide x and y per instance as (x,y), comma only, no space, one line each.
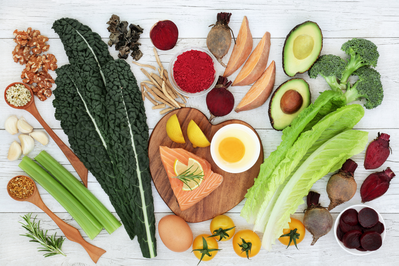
(219,100)
(377,152)
(218,40)
(376,184)
(341,187)
(317,219)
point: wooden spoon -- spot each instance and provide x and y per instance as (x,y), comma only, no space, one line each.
(72,158)
(69,231)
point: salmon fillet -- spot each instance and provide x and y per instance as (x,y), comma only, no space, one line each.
(210,181)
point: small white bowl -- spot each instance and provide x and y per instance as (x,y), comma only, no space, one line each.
(355,251)
(250,141)
(172,79)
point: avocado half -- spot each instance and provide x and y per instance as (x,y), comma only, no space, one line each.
(302,47)
(279,118)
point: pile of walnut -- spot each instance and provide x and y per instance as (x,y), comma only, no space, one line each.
(30,46)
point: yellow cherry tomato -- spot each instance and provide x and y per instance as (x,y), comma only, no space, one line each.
(246,243)
(222,227)
(294,234)
(205,247)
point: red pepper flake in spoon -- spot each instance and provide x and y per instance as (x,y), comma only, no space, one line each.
(194,71)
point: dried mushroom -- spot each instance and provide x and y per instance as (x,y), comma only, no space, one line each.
(125,37)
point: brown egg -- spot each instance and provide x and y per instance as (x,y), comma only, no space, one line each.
(175,233)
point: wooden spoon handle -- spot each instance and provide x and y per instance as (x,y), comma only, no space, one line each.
(72,233)
(72,158)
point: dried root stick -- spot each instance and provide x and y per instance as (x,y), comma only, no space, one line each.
(167,95)
(144,65)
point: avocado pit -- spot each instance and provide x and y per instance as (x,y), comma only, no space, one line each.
(287,102)
(291,101)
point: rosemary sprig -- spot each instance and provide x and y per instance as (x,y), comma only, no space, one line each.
(188,175)
(50,244)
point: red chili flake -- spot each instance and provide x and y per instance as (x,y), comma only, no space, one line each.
(194,71)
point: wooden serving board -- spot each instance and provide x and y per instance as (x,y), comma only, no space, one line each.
(226,196)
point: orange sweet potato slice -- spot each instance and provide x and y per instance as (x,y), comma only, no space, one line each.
(255,64)
(260,91)
(241,50)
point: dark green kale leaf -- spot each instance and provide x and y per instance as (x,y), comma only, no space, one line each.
(99,105)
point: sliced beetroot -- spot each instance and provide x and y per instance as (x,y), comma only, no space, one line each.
(164,35)
(340,234)
(371,241)
(379,228)
(347,227)
(352,239)
(361,248)
(367,217)
(350,217)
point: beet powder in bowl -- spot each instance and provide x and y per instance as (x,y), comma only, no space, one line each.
(192,72)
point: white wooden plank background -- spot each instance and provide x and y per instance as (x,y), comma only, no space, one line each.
(339,21)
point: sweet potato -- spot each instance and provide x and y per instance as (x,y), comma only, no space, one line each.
(260,91)
(241,49)
(255,64)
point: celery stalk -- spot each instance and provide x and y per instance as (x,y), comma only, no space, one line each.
(93,205)
(82,216)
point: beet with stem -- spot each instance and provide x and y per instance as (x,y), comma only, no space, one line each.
(377,152)
(317,219)
(341,187)
(219,100)
(218,40)
(376,184)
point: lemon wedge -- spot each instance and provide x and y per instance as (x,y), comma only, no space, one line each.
(173,129)
(192,174)
(196,136)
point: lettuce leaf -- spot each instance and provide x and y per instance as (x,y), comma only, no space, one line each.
(256,194)
(327,158)
(332,124)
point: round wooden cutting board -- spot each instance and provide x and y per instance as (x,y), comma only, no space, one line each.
(226,196)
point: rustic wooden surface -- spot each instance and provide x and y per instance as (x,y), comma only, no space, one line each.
(226,196)
(339,21)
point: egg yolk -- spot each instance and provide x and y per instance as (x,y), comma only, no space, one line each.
(231,149)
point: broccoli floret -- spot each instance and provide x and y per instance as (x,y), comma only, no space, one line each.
(368,86)
(330,67)
(362,52)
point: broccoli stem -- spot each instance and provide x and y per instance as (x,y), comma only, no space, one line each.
(354,63)
(352,94)
(333,83)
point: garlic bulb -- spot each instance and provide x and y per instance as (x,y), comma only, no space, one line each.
(27,143)
(15,151)
(40,136)
(11,125)
(24,126)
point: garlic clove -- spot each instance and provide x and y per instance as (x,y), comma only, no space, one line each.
(27,143)
(40,136)
(11,125)
(24,126)
(14,152)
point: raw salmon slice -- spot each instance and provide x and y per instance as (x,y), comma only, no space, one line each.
(210,181)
